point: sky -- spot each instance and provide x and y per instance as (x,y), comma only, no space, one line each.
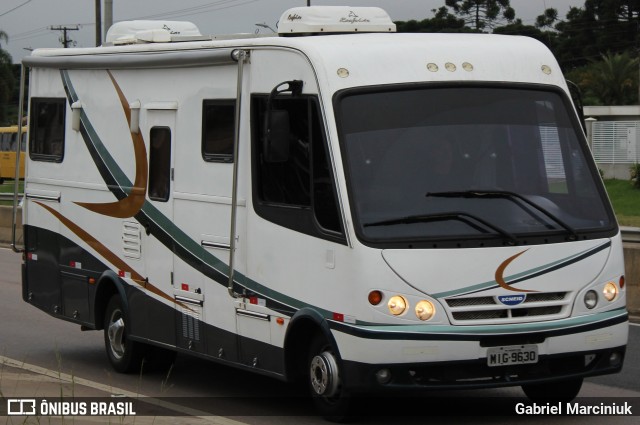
(28,22)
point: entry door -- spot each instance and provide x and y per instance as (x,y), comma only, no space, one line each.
(159,132)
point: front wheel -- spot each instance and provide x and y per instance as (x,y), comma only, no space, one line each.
(554,391)
(329,396)
(124,354)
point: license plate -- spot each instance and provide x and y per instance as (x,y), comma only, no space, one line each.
(516,354)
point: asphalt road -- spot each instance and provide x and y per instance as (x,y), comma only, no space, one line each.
(39,354)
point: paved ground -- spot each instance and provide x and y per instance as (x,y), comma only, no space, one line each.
(33,382)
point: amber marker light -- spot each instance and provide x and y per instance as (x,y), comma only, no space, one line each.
(375,297)
(621,282)
(610,291)
(425,310)
(397,305)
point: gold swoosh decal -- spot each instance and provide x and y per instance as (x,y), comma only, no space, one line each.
(129,206)
(107,254)
(500,274)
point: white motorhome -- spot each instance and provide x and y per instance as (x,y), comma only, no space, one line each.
(338,202)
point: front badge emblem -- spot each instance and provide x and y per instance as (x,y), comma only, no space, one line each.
(512,300)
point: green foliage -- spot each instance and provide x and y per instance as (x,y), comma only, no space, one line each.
(7,80)
(517,28)
(599,26)
(482,14)
(626,201)
(443,21)
(611,80)
(634,170)
(547,19)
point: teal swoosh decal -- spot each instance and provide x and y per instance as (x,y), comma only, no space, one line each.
(446,332)
(528,274)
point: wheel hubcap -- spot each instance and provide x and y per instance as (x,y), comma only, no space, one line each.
(116,337)
(324,374)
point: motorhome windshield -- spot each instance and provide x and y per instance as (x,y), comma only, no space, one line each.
(477,166)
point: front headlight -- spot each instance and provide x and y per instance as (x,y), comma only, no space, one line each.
(425,310)
(397,305)
(610,291)
(591,299)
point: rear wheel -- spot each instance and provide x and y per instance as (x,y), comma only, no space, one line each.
(554,391)
(329,396)
(124,354)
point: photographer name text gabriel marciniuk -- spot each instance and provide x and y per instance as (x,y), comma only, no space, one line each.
(575,408)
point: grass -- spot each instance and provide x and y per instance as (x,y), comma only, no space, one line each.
(7,187)
(626,201)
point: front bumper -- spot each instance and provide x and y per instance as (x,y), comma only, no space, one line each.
(438,357)
(475,374)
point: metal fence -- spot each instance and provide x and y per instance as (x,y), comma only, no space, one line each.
(616,142)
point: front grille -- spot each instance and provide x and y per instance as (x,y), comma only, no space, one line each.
(536,307)
(464,302)
(551,296)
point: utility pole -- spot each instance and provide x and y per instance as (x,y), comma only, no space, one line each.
(98,23)
(66,41)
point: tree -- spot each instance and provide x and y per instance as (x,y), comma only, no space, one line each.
(597,27)
(547,19)
(518,28)
(611,80)
(7,81)
(578,36)
(483,14)
(443,21)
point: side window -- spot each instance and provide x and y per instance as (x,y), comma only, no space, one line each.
(297,189)
(47,117)
(289,182)
(218,128)
(159,163)
(13,140)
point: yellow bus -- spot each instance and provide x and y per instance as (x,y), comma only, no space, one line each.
(8,140)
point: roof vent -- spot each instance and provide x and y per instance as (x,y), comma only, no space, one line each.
(132,32)
(334,19)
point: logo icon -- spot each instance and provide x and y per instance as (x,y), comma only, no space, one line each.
(499,276)
(21,407)
(512,300)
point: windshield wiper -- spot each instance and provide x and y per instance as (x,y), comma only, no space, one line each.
(454,215)
(514,197)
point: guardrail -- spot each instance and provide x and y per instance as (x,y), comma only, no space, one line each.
(9,196)
(630,234)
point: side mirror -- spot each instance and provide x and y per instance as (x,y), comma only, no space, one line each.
(576,97)
(276,130)
(276,140)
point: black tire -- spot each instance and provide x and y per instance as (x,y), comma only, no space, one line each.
(125,355)
(329,397)
(553,391)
